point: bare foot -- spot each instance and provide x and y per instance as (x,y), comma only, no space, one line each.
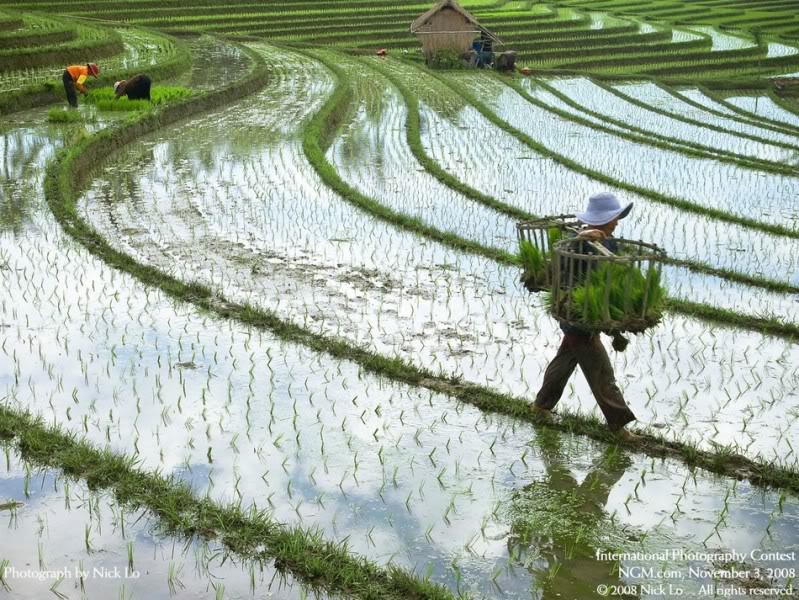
(627,436)
(543,414)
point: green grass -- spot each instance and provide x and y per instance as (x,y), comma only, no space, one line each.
(432,167)
(643,136)
(176,62)
(724,316)
(90,44)
(62,189)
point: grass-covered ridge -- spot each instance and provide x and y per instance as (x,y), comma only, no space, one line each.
(249,533)
(252,534)
(68,115)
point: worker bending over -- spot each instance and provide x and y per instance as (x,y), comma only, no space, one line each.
(74,78)
(135,88)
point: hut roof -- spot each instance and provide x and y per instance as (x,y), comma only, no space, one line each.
(452,4)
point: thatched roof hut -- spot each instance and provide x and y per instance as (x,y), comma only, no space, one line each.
(448,26)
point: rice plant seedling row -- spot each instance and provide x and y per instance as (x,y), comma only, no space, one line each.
(764,108)
(707,183)
(661,101)
(265,335)
(360,298)
(317,466)
(84,279)
(459,138)
(592,97)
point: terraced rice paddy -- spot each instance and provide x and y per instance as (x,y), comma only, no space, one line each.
(269,339)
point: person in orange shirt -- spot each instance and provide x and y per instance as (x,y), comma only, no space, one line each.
(74,78)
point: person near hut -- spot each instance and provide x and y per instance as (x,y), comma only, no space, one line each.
(135,88)
(584,347)
(448,29)
(484,51)
(74,79)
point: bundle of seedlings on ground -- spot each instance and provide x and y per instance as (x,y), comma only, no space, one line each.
(66,115)
(599,290)
(536,239)
(105,99)
(445,59)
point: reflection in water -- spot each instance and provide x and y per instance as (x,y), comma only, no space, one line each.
(214,63)
(20,151)
(24,152)
(558,525)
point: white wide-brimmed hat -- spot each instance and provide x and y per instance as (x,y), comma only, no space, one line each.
(602,209)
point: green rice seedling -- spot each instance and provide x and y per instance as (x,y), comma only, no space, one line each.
(616,293)
(446,59)
(535,262)
(67,115)
(173,578)
(106,101)
(10,506)
(130,556)
(4,564)
(219,588)
(54,589)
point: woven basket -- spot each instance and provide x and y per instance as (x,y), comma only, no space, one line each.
(537,233)
(596,290)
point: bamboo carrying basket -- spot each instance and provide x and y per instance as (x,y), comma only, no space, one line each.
(537,233)
(572,267)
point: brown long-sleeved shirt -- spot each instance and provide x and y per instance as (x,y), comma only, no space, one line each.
(129,84)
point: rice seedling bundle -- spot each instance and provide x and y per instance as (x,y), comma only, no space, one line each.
(65,115)
(536,240)
(105,99)
(616,292)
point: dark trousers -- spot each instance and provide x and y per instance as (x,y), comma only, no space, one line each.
(69,88)
(588,352)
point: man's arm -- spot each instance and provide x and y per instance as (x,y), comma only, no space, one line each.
(593,235)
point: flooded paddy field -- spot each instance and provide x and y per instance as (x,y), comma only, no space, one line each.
(220,209)
(406,474)
(65,540)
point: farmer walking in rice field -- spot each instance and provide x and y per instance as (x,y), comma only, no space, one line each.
(74,78)
(584,347)
(135,88)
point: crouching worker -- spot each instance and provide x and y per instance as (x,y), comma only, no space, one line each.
(584,347)
(135,88)
(75,77)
